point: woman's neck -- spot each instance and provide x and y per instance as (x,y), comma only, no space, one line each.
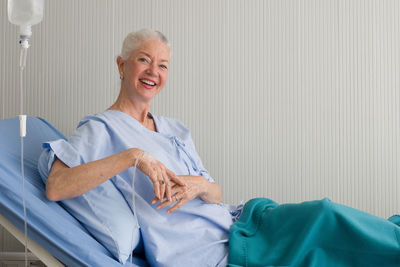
(135,109)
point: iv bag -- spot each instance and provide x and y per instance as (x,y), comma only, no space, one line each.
(25,13)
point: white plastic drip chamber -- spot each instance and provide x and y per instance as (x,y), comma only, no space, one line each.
(22,125)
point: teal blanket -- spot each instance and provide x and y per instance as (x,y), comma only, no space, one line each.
(315,233)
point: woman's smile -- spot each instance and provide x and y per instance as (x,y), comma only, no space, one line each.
(147,83)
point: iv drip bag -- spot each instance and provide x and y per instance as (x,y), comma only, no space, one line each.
(25,13)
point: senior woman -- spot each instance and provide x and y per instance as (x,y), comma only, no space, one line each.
(113,141)
(177,202)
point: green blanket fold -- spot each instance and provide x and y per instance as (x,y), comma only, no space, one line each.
(314,233)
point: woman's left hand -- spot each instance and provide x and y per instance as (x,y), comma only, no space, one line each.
(196,186)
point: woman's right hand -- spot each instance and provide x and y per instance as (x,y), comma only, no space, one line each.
(163,179)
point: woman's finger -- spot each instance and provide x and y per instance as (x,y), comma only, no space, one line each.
(178,195)
(177,189)
(162,185)
(156,189)
(156,185)
(173,190)
(164,204)
(179,204)
(167,185)
(155,200)
(175,178)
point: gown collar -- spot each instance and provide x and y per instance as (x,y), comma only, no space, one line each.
(133,120)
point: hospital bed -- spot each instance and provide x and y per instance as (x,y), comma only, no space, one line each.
(55,236)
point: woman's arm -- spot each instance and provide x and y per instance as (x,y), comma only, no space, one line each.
(64,182)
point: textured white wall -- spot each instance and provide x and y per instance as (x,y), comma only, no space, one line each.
(286,99)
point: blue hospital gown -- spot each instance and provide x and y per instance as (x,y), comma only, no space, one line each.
(194,235)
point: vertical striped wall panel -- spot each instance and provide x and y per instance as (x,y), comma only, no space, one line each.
(287,99)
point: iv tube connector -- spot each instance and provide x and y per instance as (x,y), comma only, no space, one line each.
(24,42)
(24,50)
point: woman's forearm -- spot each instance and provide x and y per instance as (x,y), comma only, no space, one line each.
(64,182)
(212,193)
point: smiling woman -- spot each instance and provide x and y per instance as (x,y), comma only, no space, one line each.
(173,197)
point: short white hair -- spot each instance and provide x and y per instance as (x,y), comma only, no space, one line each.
(134,39)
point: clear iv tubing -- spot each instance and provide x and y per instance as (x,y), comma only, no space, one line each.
(133,196)
(22,62)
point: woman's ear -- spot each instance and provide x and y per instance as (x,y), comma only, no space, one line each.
(120,63)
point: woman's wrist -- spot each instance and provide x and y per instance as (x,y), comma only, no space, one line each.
(204,187)
(134,155)
(209,191)
(212,192)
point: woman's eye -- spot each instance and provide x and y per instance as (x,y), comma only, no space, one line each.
(164,67)
(142,59)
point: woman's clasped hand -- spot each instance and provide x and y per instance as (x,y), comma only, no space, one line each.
(169,187)
(195,186)
(164,180)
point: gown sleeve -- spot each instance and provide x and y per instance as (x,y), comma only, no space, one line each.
(90,141)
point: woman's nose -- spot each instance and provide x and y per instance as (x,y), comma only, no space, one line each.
(152,69)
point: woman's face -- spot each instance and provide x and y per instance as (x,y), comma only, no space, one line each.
(145,72)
